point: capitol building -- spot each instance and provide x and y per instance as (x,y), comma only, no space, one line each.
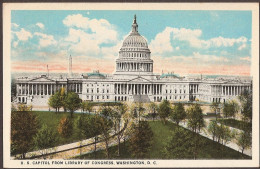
(133,81)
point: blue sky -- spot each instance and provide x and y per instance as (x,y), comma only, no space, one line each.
(209,38)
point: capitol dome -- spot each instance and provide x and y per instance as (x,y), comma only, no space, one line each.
(135,40)
(134,55)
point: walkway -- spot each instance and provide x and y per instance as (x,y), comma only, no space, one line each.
(230,144)
(71,150)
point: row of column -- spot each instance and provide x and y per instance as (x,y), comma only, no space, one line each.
(75,87)
(233,90)
(145,67)
(193,88)
(45,89)
(144,89)
(128,54)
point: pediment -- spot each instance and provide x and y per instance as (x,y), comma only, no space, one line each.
(42,79)
(139,79)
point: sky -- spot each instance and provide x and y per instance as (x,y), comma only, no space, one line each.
(183,42)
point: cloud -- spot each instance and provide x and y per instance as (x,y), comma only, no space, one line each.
(15,43)
(88,36)
(45,40)
(40,25)
(23,35)
(242,46)
(247,58)
(162,41)
(199,64)
(14,25)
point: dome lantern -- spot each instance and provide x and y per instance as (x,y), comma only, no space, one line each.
(134,26)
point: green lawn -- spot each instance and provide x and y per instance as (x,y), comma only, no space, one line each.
(235,123)
(162,132)
(52,119)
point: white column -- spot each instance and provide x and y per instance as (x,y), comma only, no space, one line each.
(47,86)
(43,89)
(28,89)
(32,89)
(127,88)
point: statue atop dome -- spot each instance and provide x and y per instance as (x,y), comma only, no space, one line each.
(134,26)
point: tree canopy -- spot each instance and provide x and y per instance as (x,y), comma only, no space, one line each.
(24,126)
(164,110)
(178,113)
(230,108)
(195,118)
(72,102)
(141,139)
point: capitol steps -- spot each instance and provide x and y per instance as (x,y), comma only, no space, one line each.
(141,98)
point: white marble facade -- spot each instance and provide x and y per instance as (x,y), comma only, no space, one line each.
(133,80)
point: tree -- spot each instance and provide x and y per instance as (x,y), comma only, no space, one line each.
(72,102)
(215,107)
(212,129)
(105,128)
(164,110)
(152,107)
(227,136)
(244,140)
(195,118)
(137,111)
(44,139)
(246,105)
(178,113)
(88,106)
(179,145)
(65,127)
(62,98)
(117,115)
(141,139)
(230,108)
(24,107)
(24,126)
(55,102)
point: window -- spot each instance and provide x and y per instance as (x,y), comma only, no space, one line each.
(180,97)
(165,91)
(87,97)
(183,91)
(92,91)
(103,97)
(107,97)
(103,90)
(97,90)
(107,91)
(87,90)
(97,97)
(180,90)
(175,91)
(170,91)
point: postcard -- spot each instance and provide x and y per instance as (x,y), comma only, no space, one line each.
(140,85)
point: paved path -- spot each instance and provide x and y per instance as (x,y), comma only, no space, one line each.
(231,144)
(71,150)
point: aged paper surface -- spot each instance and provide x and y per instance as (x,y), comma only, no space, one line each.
(51,45)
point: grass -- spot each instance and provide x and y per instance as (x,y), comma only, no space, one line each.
(235,123)
(211,150)
(52,119)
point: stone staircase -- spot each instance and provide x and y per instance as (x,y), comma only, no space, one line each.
(141,98)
